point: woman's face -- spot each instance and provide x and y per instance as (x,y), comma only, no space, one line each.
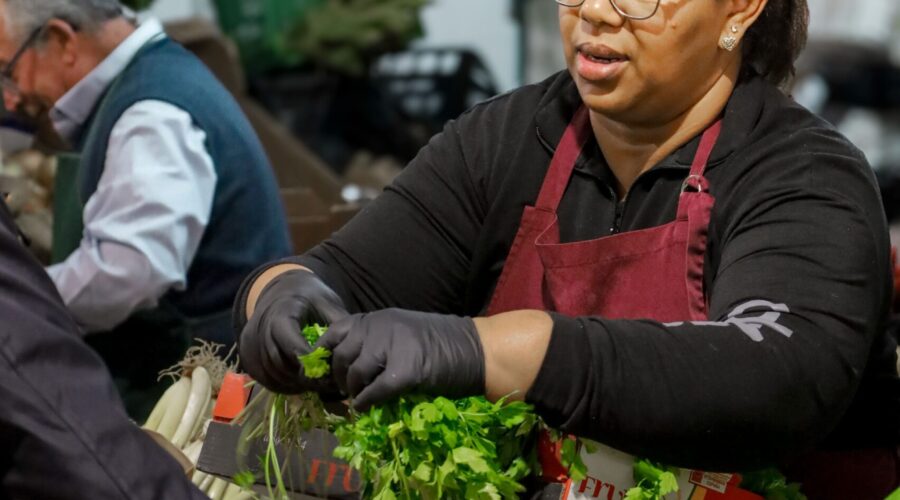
(646,71)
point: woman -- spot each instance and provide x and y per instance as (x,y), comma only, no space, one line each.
(660,251)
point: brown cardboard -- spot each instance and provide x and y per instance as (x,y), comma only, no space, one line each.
(311,191)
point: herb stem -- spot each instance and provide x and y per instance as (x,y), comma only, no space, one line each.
(399,465)
(272,454)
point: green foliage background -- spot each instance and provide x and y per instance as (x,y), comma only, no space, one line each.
(345,36)
(137,4)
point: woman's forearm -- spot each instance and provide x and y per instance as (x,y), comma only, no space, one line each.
(264,279)
(514,347)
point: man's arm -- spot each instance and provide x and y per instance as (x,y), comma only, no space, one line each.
(63,430)
(144,223)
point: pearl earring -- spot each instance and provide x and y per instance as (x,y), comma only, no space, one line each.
(729,42)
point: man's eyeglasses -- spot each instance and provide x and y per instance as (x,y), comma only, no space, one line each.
(631,9)
(6,74)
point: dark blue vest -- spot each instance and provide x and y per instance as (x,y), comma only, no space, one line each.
(247,227)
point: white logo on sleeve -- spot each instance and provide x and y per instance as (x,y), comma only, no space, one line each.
(751,325)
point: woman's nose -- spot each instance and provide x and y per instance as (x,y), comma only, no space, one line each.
(599,12)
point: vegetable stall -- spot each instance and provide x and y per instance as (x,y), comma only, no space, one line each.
(247,442)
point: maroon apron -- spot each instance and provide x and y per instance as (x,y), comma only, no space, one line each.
(654,273)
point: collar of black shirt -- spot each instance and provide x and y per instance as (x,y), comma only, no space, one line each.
(561,100)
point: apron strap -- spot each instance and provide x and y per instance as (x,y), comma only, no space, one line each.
(567,152)
(695,180)
(573,141)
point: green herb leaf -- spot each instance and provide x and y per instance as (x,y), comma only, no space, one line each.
(385,494)
(590,446)
(395,429)
(654,481)
(472,458)
(637,493)
(312,333)
(245,479)
(668,483)
(571,459)
(423,472)
(771,484)
(315,364)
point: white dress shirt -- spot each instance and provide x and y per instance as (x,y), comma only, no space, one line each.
(144,223)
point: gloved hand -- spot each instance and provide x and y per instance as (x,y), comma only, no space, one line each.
(271,341)
(379,356)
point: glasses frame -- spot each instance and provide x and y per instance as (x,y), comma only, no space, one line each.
(6,73)
(615,6)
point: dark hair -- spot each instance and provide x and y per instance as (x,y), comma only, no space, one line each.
(776,39)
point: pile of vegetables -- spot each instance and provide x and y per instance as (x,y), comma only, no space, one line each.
(346,36)
(415,447)
(183,413)
(27,177)
(421,447)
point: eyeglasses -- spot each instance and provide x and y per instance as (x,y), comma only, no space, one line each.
(6,74)
(637,10)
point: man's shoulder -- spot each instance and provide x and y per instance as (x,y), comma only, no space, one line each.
(168,68)
(167,78)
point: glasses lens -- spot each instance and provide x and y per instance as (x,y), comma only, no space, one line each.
(570,3)
(637,9)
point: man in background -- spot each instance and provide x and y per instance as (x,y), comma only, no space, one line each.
(168,200)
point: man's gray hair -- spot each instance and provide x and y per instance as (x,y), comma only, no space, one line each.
(24,16)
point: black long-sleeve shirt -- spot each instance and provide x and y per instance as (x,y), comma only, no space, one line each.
(63,430)
(796,271)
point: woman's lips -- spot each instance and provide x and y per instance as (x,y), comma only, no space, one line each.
(599,64)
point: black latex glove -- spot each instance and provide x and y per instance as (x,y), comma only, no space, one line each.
(382,355)
(271,341)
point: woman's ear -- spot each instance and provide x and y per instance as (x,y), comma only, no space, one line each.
(741,17)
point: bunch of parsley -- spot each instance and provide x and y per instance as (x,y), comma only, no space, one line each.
(419,447)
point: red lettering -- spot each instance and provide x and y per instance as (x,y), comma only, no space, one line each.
(332,471)
(584,483)
(313,472)
(598,489)
(348,480)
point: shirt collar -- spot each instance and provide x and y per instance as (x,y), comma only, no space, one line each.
(742,113)
(73,109)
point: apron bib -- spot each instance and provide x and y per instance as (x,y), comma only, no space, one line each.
(654,274)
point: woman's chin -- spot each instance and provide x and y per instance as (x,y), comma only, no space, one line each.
(604,101)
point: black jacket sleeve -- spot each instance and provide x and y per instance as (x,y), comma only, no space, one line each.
(421,231)
(63,430)
(799,294)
